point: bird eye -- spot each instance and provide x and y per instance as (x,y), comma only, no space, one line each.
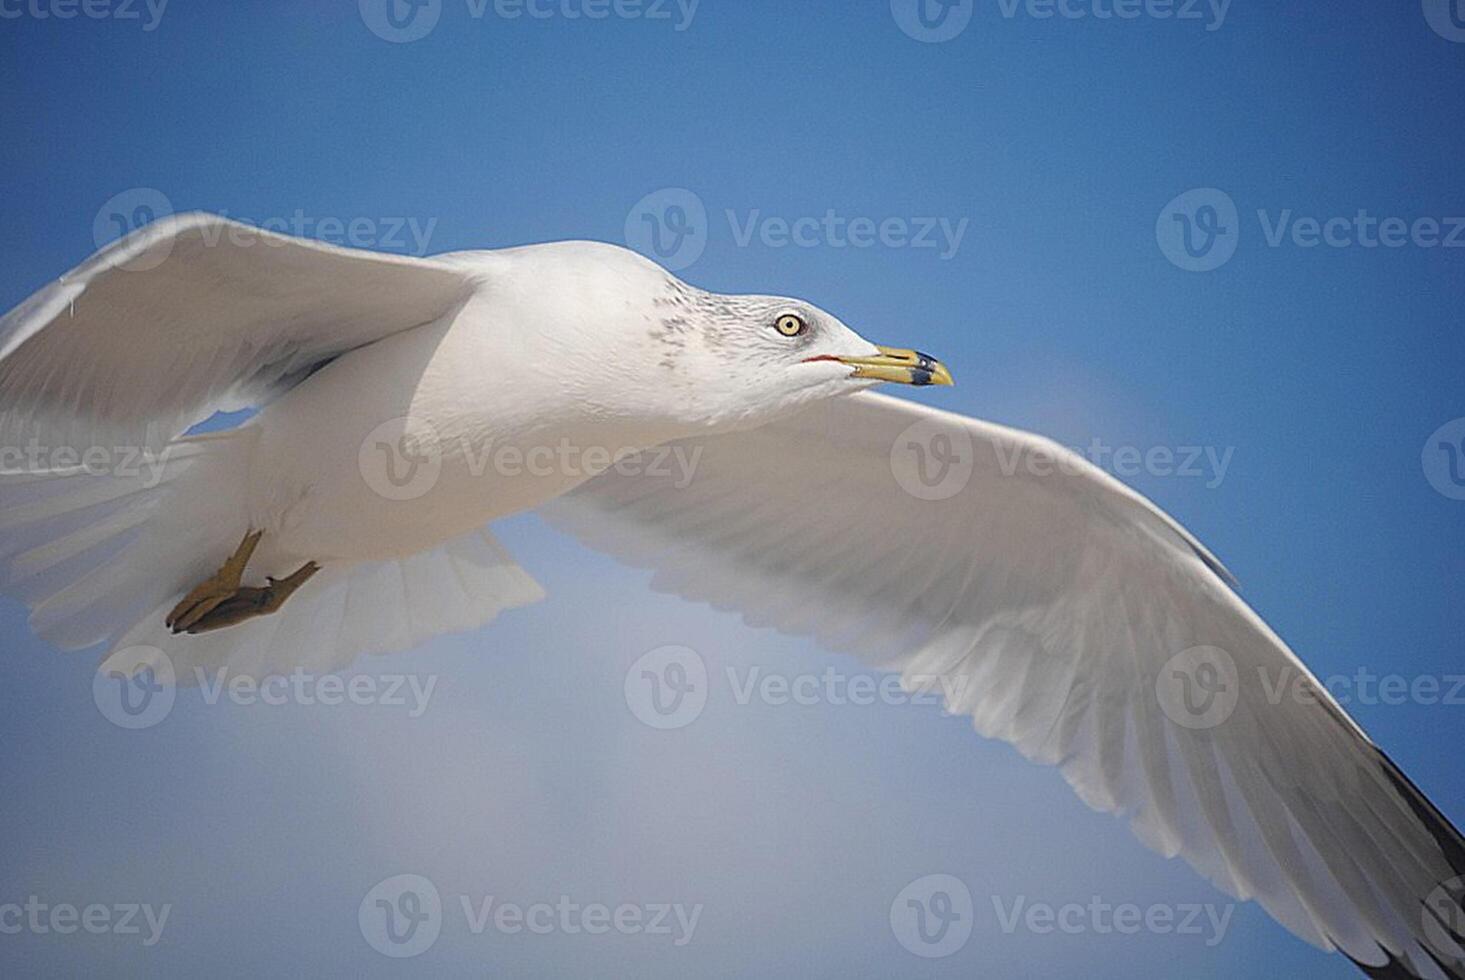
(790,325)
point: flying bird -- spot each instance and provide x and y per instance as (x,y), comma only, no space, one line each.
(401,403)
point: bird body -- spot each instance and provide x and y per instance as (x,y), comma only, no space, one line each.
(500,397)
(306,485)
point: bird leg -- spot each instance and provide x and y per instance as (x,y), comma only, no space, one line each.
(216,588)
(249,602)
(223,600)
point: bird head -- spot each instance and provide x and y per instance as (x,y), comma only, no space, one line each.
(697,359)
(762,355)
(692,358)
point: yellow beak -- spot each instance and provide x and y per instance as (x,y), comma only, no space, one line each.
(906,367)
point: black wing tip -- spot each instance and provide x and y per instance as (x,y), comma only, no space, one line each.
(1396,969)
(1445,833)
(1451,845)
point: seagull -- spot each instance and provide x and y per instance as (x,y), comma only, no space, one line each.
(400,403)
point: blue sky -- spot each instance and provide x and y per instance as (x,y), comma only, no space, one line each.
(1056,145)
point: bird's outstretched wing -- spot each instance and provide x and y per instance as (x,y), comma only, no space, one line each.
(1068,615)
(191,314)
